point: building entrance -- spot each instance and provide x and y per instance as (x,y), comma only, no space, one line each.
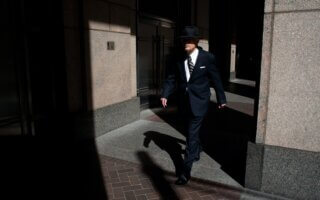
(155,43)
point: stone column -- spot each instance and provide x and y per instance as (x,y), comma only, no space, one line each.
(285,159)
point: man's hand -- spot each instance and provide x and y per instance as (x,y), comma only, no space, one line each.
(221,106)
(164,102)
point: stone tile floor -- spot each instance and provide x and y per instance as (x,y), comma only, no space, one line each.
(135,171)
(130,181)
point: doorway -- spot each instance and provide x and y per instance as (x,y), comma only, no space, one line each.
(155,43)
(11,118)
(32,75)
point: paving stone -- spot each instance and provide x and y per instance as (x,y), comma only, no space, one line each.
(146,188)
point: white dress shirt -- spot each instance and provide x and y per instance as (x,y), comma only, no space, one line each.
(194,56)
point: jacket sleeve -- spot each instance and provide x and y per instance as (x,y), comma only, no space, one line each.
(214,76)
(170,82)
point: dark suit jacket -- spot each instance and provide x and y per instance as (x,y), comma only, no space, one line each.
(198,87)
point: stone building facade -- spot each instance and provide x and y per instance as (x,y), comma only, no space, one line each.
(285,156)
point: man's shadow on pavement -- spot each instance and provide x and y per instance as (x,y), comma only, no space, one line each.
(157,176)
(169,144)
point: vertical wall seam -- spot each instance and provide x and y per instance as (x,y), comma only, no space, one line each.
(268,92)
(269,72)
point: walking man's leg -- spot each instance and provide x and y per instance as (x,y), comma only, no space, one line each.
(193,143)
(192,148)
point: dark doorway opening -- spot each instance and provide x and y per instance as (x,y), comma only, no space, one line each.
(32,75)
(155,44)
(158,24)
(10,121)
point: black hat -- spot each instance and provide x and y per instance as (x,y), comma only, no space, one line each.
(190,32)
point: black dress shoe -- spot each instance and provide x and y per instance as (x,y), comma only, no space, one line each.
(182,180)
(197,158)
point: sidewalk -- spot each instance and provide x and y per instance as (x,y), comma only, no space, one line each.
(130,181)
(139,160)
(162,142)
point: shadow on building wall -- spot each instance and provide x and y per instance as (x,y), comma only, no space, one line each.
(51,159)
(61,160)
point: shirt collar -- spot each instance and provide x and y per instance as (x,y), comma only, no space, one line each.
(194,54)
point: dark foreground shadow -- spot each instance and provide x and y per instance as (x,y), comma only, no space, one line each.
(50,168)
(157,177)
(224,137)
(169,144)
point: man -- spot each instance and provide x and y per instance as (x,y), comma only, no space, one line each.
(193,74)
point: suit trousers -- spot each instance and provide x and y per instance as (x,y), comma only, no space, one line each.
(193,145)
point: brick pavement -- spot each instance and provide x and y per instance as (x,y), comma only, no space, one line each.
(130,181)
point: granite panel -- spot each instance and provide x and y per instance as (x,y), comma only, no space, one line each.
(116,115)
(293,108)
(294,5)
(291,173)
(133,65)
(133,53)
(268,6)
(264,78)
(285,172)
(110,70)
(254,165)
(293,121)
(100,121)
(254,195)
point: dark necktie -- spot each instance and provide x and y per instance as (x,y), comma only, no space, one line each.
(190,65)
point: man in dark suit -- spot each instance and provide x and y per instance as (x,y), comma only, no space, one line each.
(193,74)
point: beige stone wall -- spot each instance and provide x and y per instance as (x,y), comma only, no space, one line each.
(289,110)
(110,74)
